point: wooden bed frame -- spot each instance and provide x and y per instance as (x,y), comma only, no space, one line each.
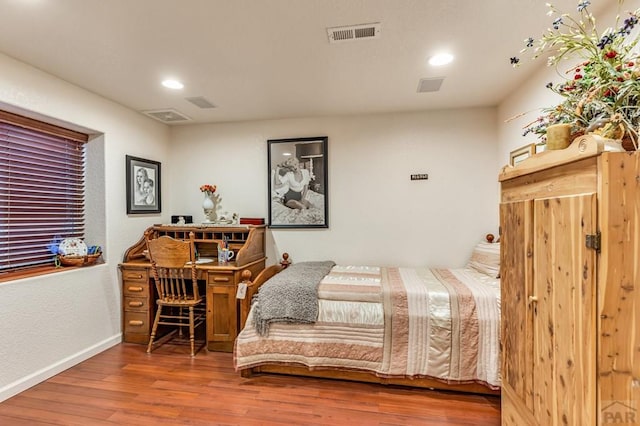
(359,376)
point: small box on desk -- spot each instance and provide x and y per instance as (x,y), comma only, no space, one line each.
(251,221)
(187,219)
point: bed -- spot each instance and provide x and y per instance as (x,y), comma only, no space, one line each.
(423,327)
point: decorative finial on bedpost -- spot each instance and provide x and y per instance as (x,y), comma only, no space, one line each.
(285,262)
(490,237)
(246,276)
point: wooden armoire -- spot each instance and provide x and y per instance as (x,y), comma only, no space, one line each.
(570,278)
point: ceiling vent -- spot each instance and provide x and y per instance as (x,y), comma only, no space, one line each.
(167,115)
(353,32)
(430,84)
(201,102)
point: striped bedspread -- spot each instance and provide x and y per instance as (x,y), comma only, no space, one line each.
(394,322)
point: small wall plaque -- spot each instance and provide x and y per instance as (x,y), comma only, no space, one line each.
(420,176)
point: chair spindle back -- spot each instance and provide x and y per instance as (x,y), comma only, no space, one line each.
(169,259)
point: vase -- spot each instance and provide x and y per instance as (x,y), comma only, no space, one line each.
(628,144)
(209,207)
(558,136)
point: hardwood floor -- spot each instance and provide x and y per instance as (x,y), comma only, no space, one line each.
(124,385)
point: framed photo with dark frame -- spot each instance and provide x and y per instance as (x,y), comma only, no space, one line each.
(298,193)
(143,186)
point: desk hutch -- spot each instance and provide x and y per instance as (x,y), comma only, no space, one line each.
(221,280)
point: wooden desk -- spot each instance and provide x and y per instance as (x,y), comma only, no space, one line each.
(221,281)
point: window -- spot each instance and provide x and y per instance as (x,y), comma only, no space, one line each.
(42,190)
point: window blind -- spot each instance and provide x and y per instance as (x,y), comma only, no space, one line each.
(41,190)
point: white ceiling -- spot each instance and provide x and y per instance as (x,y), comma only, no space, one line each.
(270,59)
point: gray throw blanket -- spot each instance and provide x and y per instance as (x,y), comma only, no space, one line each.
(290,296)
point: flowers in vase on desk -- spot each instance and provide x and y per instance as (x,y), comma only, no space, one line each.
(208,189)
(600,91)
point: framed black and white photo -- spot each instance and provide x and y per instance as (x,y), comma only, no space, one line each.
(298,196)
(143,186)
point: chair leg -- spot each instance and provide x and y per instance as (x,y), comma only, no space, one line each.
(154,329)
(192,338)
(181,315)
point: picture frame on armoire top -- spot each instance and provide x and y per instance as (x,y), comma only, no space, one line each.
(519,155)
(143,186)
(298,177)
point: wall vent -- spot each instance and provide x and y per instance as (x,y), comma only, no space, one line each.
(201,102)
(430,84)
(167,115)
(353,32)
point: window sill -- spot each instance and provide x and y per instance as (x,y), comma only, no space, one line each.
(38,271)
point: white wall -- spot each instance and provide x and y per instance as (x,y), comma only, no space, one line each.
(51,322)
(376,214)
(526,104)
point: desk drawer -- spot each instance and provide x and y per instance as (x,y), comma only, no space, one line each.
(136,322)
(139,338)
(136,304)
(220,278)
(135,275)
(135,289)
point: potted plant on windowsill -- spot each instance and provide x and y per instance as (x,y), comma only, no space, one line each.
(600,91)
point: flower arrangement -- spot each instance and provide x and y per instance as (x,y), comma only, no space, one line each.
(601,93)
(208,189)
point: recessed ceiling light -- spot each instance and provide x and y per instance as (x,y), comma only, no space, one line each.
(286,154)
(172,84)
(441,59)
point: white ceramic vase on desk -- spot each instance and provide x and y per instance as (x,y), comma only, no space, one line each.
(209,207)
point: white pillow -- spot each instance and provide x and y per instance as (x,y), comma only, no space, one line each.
(485,258)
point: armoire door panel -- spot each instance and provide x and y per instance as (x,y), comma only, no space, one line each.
(516,281)
(619,277)
(564,317)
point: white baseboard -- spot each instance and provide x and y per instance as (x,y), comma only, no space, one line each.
(41,375)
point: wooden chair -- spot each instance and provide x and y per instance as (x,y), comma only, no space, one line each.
(179,302)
